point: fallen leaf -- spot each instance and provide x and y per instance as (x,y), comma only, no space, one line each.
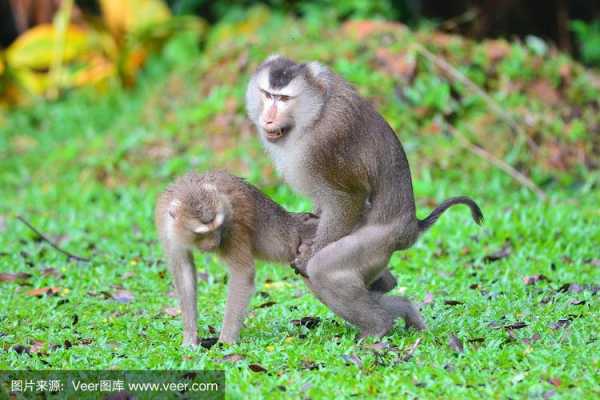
(544,91)
(20,349)
(402,65)
(561,323)
(306,387)
(266,304)
(52,272)
(127,275)
(411,351)
(531,280)
(308,322)
(257,368)
(172,311)
(36,346)
(40,292)
(203,276)
(352,359)
(231,358)
(496,50)
(516,325)
(504,252)
(9,277)
(428,298)
(379,347)
(123,296)
(554,381)
(534,338)
(476,340)
(594,262)
(549,394)
(209,342)
(455,344)
(309,365)
(570,287)
(452,302)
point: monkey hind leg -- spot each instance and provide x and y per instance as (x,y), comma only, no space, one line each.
(350,299)
(338,274)
(399,306)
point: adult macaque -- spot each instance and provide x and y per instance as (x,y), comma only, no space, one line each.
(332,146)
(221,213)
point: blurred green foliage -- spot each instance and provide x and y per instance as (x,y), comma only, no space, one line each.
(588,35)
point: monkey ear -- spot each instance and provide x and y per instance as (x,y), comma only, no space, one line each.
(224,210)
(316,68)
(173,208)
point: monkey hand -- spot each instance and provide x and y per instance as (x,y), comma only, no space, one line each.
(308,226)
(301,261)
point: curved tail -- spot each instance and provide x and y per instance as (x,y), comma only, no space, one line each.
(424,224)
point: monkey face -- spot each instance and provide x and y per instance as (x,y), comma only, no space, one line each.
(283,96)
(276,118)
(199,221)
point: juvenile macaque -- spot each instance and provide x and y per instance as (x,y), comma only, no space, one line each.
(220,213)
(332,146)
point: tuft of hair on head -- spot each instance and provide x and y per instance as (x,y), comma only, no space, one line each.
(272,57)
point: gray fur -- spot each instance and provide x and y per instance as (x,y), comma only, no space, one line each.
(344,155)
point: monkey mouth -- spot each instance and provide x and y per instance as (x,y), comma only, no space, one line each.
(276,134)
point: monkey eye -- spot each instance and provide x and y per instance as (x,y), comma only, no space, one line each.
(267,94)
(284,98)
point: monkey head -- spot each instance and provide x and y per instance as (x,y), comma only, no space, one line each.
(199,216)
(283,95)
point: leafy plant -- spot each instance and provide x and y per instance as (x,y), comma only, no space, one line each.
(588,39)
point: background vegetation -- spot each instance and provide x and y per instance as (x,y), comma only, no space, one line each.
(512,307)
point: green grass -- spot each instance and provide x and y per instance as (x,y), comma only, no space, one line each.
(90,167)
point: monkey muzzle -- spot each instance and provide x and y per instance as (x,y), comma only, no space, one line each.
(274,135)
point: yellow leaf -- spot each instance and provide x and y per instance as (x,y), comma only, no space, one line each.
(97,72)
(276,285)
(123,16)
(35,48)
(33,82)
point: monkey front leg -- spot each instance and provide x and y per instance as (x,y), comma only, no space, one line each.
(239,293)
(182,267)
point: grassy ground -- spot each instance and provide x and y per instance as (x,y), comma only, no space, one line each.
(512,306)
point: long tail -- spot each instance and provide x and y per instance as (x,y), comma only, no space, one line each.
(439,210)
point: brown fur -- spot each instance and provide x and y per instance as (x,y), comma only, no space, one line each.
(254,227)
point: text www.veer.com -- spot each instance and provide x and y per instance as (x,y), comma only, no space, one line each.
(174,387)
